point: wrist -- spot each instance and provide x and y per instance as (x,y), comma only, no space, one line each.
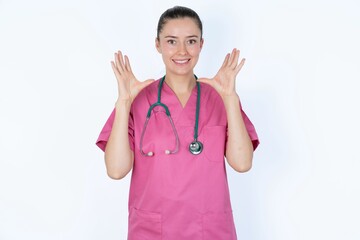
(123,103)
(230,97)
(230,101)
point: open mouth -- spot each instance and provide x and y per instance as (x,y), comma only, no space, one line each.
(181,61)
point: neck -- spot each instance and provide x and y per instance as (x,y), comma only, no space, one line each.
(180,83)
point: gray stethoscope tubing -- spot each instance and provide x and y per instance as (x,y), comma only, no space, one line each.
(195,147)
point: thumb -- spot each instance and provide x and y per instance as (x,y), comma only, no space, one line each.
(205,80)
(146,83)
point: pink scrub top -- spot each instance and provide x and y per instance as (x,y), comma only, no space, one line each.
(179,196)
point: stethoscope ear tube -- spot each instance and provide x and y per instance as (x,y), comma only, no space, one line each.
(150,154)
(158,104)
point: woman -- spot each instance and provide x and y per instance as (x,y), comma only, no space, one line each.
(178,188)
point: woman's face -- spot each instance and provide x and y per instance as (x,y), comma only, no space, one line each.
(180,45)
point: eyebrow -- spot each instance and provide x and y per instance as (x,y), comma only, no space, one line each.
(191,36)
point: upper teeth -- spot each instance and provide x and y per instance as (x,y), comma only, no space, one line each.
(180,61)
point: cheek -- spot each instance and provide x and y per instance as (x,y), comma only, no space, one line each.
(168,50)
(194,50)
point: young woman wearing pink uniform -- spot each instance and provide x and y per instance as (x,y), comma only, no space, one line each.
(176,150)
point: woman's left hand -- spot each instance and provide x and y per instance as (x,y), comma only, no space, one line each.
(224,80)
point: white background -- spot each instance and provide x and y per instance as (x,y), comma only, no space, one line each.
(297,86)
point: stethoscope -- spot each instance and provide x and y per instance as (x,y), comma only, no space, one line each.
(195,147)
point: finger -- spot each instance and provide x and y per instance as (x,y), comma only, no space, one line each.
(241,64)
(117,62)
(127,64)
(117,75)
(231,59)
(115,69)
(235,60)
(121,61)
(118,56)
(225,60)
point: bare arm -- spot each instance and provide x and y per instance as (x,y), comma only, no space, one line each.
(119,157)
(239,149)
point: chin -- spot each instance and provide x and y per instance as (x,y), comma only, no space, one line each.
(182,72)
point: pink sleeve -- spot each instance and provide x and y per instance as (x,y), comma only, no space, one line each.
(105,132)
(251,130)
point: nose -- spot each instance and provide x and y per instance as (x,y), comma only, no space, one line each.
(182,49)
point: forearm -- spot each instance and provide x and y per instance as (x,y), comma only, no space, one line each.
(118,155)
(239,149)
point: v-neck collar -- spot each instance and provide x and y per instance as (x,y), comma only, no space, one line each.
(184,116)
(193,92)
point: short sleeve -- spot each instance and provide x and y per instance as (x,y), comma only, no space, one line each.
(250,129)
(106,130)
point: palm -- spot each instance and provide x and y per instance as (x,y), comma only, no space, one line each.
(128,85)
(224,80)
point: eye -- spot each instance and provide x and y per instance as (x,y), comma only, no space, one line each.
(171,41)
(192,41)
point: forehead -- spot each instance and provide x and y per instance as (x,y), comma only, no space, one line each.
(180,27)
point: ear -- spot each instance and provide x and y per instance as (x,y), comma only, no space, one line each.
(157,45)
(201,43)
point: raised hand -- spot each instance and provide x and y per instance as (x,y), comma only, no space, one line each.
(128,85)
(224,80)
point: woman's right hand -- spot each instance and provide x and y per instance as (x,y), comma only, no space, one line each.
(128,85)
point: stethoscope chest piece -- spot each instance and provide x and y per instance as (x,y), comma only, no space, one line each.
(196,147)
